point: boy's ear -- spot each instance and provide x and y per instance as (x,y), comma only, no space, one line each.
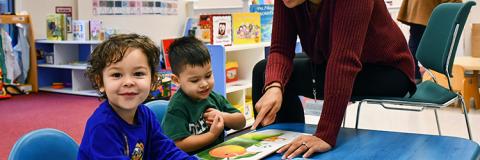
(98,81)
(175,79)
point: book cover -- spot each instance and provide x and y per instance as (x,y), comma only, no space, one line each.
(80,30)
(266,19)
(95,27)
(165,47)
(205,27)
(246,28)
(253,145)
(221,30)
(56,27)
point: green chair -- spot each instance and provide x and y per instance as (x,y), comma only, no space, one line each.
(436,51)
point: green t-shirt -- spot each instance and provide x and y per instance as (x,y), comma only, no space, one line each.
(184,116)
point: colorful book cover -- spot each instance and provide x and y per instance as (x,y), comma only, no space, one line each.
(56,27)
(253,145)
(95,27)
(246,28)
(221,30)
(266,19)
(80,30)
(165,47)
(205,27)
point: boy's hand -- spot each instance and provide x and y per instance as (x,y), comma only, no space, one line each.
(217,126)
(210,114)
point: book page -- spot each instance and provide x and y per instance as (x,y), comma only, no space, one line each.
(252,145)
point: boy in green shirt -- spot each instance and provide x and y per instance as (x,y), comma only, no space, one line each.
(196,115)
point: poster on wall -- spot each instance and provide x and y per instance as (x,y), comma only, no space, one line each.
(134,7)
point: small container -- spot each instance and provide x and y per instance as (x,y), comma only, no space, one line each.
(231,71)
(49,58)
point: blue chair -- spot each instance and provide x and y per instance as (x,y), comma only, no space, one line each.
(436,51)
(159,107)
(46,143)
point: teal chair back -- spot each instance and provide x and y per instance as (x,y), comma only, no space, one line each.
(47,143)
(438,46)
(159,108)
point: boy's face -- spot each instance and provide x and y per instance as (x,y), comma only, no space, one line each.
(127,82)
(196,81)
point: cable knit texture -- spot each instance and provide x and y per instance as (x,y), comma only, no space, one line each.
(344,34)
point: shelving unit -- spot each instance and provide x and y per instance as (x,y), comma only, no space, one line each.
(69,65)
(246,56)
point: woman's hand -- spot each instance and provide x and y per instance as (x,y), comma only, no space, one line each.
(304,144)
(268,106)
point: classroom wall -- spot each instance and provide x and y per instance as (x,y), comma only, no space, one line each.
(164,26)
(156,27)
(39,9)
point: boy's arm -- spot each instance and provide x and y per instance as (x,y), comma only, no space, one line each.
(234,120)
(195,142)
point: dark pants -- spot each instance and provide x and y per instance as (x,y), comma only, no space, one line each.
(372,80)
(416,33)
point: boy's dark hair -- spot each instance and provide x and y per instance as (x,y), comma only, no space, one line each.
(113,50)
(187,51)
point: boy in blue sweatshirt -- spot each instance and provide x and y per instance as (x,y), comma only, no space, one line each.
(122,70)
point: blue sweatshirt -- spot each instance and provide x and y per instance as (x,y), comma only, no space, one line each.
(107,136)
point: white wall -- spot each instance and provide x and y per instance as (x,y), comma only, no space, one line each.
(39,9)
(474,17)
(156,27)
(162,26)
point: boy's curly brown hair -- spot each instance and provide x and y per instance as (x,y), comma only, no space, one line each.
(113,50)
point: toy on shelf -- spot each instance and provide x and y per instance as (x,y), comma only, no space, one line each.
(231,71)
(3,92)
(57,85)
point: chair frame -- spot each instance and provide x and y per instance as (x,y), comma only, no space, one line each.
(419,106)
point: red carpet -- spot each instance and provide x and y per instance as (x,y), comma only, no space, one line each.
(22,114)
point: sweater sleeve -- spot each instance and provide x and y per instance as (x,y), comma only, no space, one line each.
(282,50)
(348,33)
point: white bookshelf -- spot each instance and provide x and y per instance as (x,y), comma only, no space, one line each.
(69,65)
(64,66)
(66,42)
(237,92)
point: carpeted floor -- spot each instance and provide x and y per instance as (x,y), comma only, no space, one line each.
(22,114)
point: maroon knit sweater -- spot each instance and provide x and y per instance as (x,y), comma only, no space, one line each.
(344,34)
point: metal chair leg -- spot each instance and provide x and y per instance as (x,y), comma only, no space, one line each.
(358,114)
(438,123)
(344,119)
(465,113)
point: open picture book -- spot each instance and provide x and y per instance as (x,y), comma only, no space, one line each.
(252,145)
